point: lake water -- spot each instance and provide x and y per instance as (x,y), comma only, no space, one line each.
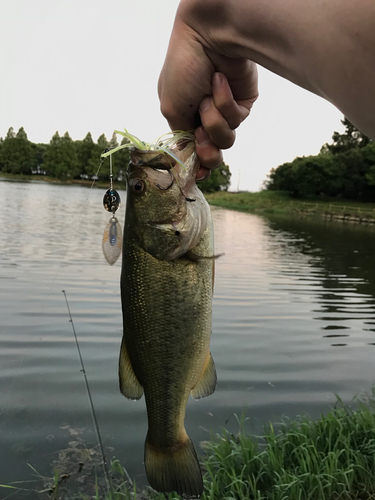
(293,324)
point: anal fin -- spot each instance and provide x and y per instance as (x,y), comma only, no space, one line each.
(207,383)
(129,385)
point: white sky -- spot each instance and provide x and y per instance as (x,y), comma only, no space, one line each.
(85,65)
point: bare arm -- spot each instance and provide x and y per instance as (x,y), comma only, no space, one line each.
(327,47)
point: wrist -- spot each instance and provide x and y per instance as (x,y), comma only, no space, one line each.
(239,29)
(212,23)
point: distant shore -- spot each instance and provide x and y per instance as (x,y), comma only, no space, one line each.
(267,202)
(65,182)
(276,202)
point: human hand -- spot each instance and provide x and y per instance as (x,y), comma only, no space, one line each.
(199,83)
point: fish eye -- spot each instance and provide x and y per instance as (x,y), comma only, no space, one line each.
(137,186)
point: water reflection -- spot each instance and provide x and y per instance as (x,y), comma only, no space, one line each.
(343,253)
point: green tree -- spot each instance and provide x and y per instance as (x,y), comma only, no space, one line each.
(113,143)
(354,170)
(317,175)
(17,155)
(39,151)
(345,168)
(10,134)
(121,161)
(60,159)
(7,160)
(369,155)
(219,180)
(94,162)
(1,149)
(350,139)
(282,179)
(85,149)
(309,176)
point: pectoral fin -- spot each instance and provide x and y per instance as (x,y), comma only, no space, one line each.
(129,385)
(207,383)
(196,258)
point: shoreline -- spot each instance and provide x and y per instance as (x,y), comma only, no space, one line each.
(262,202)
(41,179)
(279,203)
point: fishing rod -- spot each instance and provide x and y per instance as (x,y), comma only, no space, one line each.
(93,414)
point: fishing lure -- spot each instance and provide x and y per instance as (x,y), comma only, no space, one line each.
(112,237)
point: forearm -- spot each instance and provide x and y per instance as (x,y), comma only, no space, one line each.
(325,47)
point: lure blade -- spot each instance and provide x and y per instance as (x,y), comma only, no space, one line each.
(111,200)
(112,241)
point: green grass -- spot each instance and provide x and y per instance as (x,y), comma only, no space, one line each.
(123,487)
(278,202)
(329,459)
(332,458)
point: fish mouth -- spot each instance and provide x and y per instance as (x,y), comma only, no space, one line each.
(182,167)
(157,167)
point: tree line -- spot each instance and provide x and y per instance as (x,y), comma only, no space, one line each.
(65,159)
(345,169)
(62,158)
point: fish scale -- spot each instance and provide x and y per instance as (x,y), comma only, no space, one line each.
(167,310)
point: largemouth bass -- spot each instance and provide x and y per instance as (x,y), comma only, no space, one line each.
(166,292)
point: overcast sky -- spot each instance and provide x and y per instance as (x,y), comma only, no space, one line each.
(80,66)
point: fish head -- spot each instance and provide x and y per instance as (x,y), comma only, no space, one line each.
(165,210)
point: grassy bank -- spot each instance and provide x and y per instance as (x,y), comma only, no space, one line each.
(277,202)
(329,459)
(332,458)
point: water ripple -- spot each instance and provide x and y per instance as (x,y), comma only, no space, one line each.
(285,290)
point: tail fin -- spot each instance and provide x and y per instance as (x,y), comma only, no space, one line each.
(174,469)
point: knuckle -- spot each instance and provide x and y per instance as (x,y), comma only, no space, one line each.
(227,141)
(221,135)
(233,114)
(218,128)
(208,159)
(234,122)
